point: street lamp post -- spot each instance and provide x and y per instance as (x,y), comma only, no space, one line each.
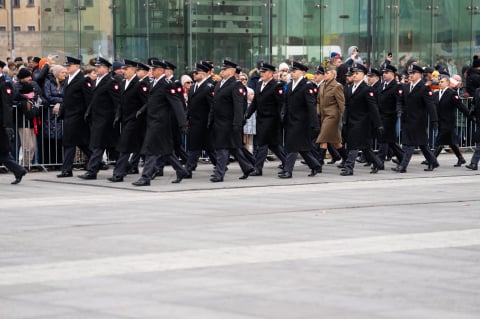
(12,30)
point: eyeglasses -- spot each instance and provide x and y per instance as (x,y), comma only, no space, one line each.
(189,82)
(243,79)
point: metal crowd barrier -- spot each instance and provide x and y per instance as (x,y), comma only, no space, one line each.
(40,146)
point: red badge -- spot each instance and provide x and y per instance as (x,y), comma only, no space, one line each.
(430,93)
(213,93)
(89,84)
(144,88)
(280,91)
(115,87)
(400,92)
(456,97)
(179,90)
(9,91)
(371,93)
(172,91)
(315,90)
(310,91)
(240,90)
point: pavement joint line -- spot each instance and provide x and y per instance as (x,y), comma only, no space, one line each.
(234,255)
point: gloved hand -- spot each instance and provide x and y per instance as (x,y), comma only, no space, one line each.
(10,132)
(380,130)
(138,114)
(435,125)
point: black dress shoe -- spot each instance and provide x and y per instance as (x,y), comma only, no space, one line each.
(399,169)
(88,176)
(132,171)
(315,171)
(424,162)
(431,167)
(285,175)
(280,166)
(141,182)
(374,170)
(341,165)
(18,178)
(246,174)
(347,172)
(115,179)
(256,173)
(460,162)
(180,176)
(188,176)
(65,174)
(472,166)
(216,179)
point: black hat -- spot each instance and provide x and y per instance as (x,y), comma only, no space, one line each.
(71,60)
(26,88)
(475,62)
(142,66)
(238,69)
(390,68)
(2,65)
(36,59)
(99,61)
(117,65)
(374,72)
(23,73)
(415,69)
(207,64)
(389,54)
(169,65)
(18,59)
(298,66)
(149,60)
(129,63)
(319,70)
(428,70)
(228,64)
(157,64)
(349,71)
(267,67)
(200,67)
(359,68)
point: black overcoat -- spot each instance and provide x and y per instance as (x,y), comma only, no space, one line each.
(199,105)
(417,105)
(228,107)
(76,98)
(102,109)
(131,101)
(268,105)
(6,119)
(162,101)
(447,118)
(389,104)
(361,115)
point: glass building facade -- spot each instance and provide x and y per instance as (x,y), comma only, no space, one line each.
(185,31)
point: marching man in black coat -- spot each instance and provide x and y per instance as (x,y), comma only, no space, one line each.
(200,100)
(101,112)
(134,96)
(361,114)
(300,120)
(475,115)
(159,142)
(417,104)
(226,118)
(389,105)
(77,95)
(6,129)
(447,103)
(267,102)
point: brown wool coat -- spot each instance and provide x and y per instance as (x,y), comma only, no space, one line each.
(330,107)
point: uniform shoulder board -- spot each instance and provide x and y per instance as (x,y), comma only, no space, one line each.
(210,85)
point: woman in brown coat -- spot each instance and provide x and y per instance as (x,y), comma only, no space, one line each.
(330,107)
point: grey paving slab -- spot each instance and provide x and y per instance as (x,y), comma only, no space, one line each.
(69,228)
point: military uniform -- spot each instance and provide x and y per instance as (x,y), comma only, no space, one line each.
(228,107)
(300,122)
(267,102)
(6,129)
(417,105)
(77,94)
(162,101)
(101,113)
(389,105)
(133,97)
(361,115)
(200,100)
